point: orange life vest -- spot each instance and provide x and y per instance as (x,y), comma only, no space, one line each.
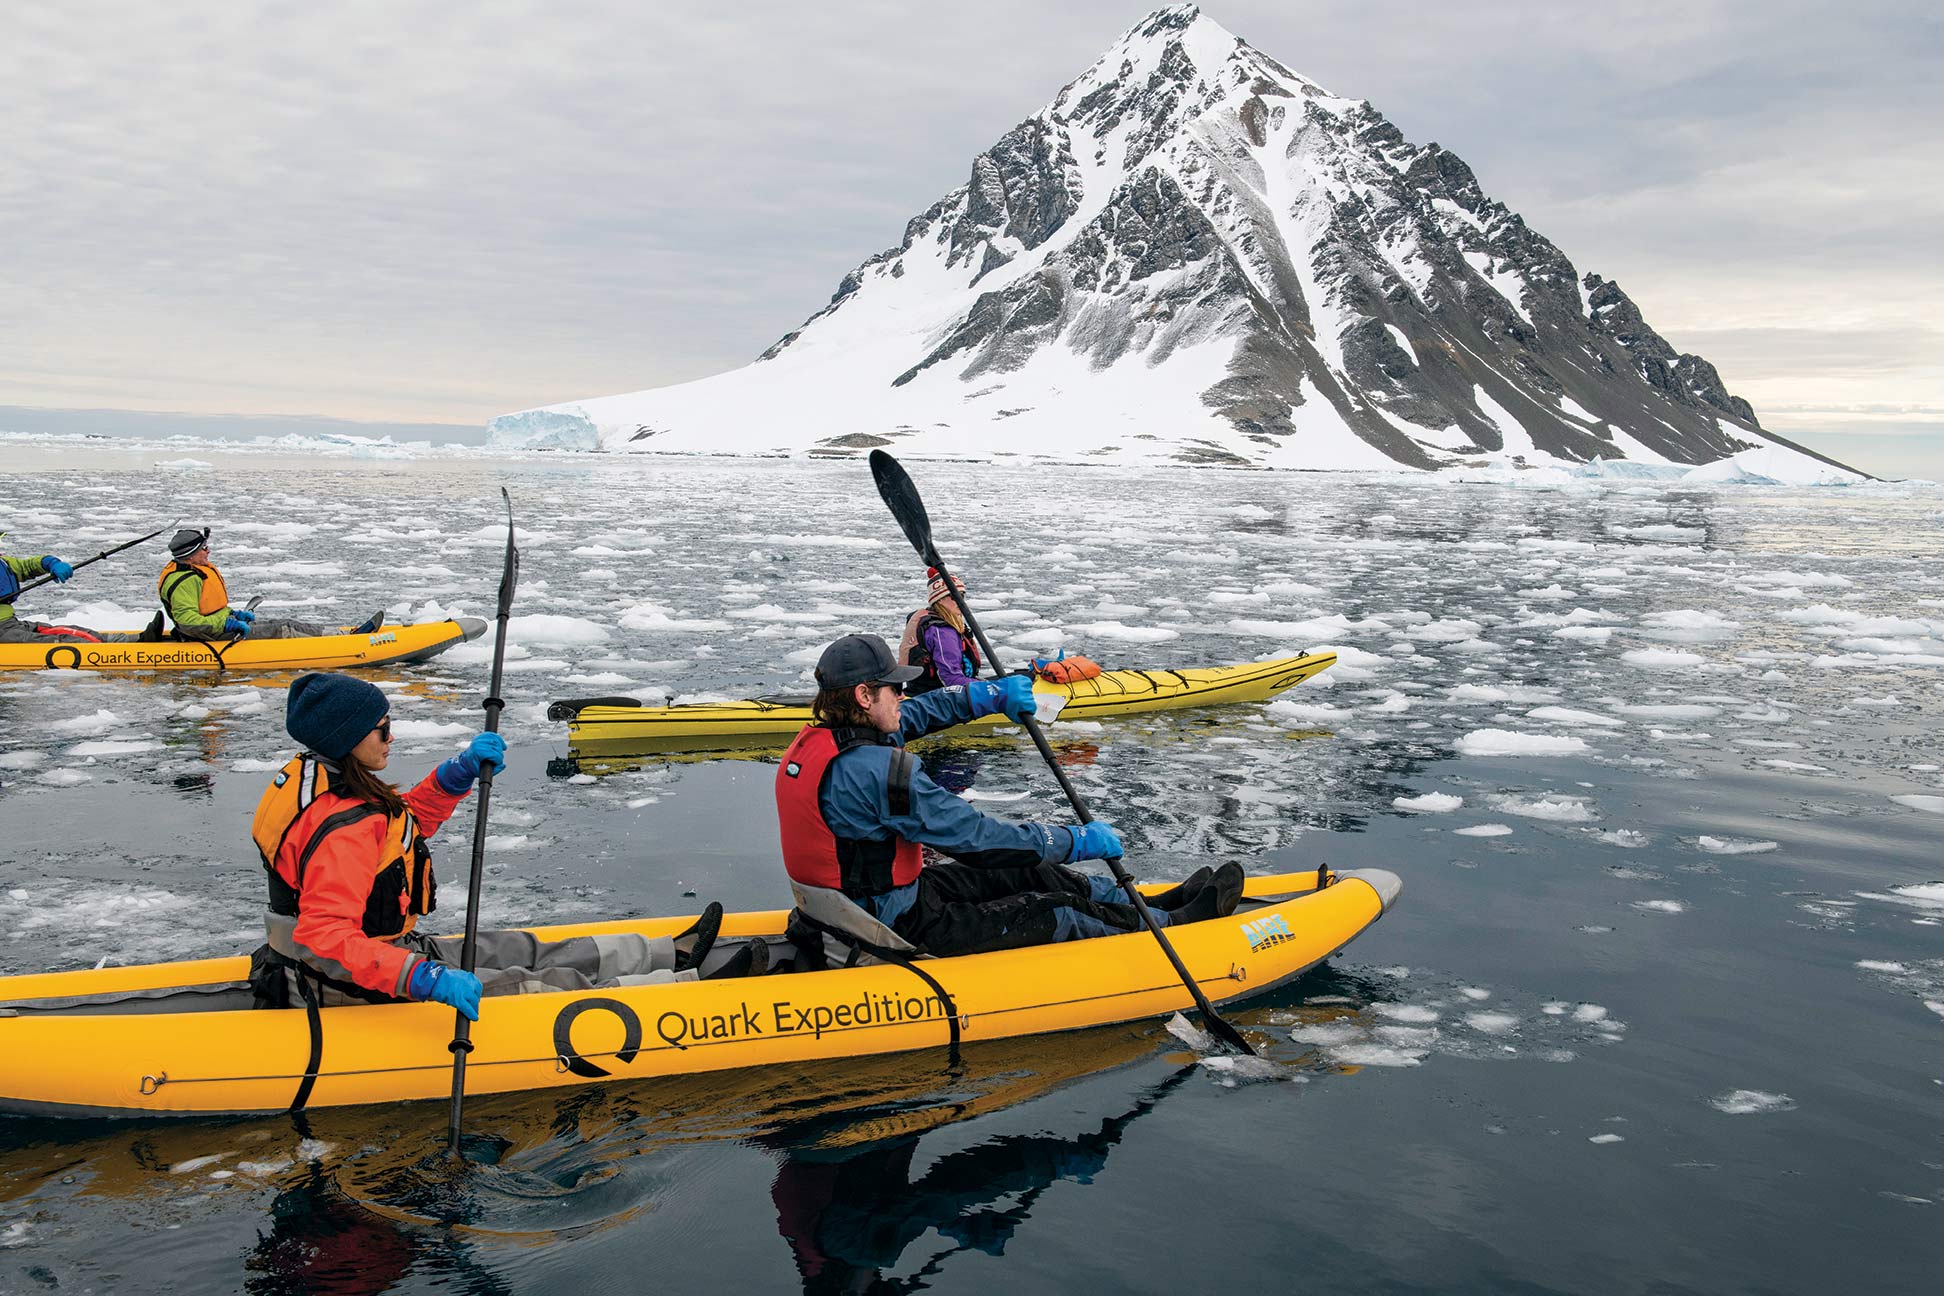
(215,595)
(402,886)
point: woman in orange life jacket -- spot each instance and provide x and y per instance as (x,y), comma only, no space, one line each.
(197,601)
(855,808)
(350,875)
(937,642)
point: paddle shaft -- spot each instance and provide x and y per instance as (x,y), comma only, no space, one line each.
(105,553)
(1216,1026)
(462,1028)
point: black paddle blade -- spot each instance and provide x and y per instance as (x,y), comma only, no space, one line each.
(510,577)
(901,495)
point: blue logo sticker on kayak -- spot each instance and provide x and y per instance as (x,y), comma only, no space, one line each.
(1262,933)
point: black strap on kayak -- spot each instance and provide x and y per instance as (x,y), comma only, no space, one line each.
(316,1019)
(896,958)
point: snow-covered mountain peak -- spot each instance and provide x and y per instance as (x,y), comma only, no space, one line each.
(1193,253)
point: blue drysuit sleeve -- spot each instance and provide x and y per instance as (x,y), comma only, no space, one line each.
(855,802)
(929,712)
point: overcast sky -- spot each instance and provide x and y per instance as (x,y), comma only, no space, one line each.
(433,213)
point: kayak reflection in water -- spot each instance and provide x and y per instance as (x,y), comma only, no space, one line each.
(848,1215)
(855,809)
(350,875)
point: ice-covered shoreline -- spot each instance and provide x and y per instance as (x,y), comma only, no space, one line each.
(179,451)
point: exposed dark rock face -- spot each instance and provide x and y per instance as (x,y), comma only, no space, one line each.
(1353,270)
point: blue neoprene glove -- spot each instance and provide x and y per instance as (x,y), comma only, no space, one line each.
(1041,663)
(457,774)
(248,617)
(451,986)
(54,567)
(234,624)
(1012,694)
(1095,840)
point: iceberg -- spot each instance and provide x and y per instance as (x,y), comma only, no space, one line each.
(562,427)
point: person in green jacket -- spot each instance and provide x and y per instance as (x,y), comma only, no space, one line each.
(15,572)
(197,601)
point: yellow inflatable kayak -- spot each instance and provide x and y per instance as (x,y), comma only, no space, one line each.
(623,727)
(390,645)
(180,1039)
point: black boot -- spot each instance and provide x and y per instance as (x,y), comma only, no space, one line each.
(751,960)
(1215,900)
(152,632)
(1175,897)
(693,945)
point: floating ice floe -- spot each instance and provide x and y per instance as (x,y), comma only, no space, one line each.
(1918,801)
(1734,845)
(1507,742)
(1429,803)
(1662,658)
(1751,1102)
(1484,830)
(1554,807)
(1569,716)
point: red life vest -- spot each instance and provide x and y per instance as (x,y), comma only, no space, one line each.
(816,856)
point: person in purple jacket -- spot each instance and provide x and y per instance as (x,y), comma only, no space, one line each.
(937,642)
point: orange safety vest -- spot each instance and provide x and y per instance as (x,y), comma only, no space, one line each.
(402,886)
(215,595)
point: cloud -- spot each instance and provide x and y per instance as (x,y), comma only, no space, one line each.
(428,212)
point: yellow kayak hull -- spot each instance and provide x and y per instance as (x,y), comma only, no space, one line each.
(390,645)
(77,1044)
(598,730)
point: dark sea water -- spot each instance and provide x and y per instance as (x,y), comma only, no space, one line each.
(1661,1010)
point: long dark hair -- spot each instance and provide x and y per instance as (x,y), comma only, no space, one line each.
(836,708)
(361,783)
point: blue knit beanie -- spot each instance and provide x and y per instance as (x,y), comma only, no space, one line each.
(331,714)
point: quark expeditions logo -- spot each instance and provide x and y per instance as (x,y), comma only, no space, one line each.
(780,1018)
(1261,933)
(131,657)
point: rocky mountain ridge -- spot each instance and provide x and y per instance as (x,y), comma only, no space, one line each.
(1195,254)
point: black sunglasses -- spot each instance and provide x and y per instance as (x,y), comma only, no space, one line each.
(383,730)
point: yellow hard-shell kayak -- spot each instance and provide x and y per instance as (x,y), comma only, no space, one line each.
(390,645)
(619,726)
(178,1039)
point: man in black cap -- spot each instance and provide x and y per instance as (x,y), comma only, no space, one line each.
(197,601)
(855,808)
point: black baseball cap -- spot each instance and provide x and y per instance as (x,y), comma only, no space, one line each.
(861,659)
